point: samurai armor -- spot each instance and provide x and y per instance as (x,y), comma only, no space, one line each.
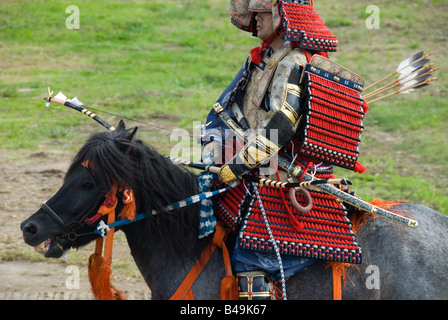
(325,233)
(330,130)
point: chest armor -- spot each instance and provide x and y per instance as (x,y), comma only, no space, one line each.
(255,108)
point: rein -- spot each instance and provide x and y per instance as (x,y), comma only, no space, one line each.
(100,267)
(103,228)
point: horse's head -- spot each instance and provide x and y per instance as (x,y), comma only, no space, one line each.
(69,218)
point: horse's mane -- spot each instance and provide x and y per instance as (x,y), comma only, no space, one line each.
(117,157)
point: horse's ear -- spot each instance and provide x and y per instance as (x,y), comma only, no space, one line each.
(133,134)
(121,125)
(131,138)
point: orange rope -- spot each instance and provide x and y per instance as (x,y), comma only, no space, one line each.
(229,288)
(100,267)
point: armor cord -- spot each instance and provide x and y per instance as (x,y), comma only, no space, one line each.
(271,236)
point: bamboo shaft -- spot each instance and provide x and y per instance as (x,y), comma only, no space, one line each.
(399,82)
(401,90)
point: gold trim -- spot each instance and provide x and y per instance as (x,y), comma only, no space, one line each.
(218,108)
(254,295)
(257,150)
(226,174)
(332,67)
(296,171)
(290,113)
(294,89)
(233,126)
(250,294)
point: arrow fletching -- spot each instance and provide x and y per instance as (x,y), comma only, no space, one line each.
(407,89)
(60,96)
(413,67)
(76,101)
(406,62)
(414,85)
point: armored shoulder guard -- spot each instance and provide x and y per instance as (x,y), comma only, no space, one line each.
(330,128)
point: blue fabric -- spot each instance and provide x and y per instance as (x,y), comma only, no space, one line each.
(207,219)
(213,120)
(248,260)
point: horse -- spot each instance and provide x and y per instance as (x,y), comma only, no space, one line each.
(398,262)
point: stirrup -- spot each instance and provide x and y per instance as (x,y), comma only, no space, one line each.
(254,285)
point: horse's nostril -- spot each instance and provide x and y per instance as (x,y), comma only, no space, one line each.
(31,229)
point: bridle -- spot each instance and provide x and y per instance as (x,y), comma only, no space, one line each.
(69,230)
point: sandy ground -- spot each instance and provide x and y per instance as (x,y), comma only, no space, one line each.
(27,178)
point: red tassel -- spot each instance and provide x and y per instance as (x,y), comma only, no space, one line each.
(99,268)
(99,277)
(365,107)
(255,54)
(359,168)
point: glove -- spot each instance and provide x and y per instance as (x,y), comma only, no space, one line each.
(257,150)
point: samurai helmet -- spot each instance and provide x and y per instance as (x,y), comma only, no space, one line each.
(294,20)
(260,6)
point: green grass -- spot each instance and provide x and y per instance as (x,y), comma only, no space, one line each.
(166,62)
(148,59)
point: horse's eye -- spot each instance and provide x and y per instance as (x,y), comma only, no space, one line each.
(88,185)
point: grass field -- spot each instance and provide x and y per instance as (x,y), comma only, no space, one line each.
(166,62)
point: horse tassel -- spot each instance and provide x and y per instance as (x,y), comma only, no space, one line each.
(100,267)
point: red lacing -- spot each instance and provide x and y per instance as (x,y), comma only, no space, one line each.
(304,18)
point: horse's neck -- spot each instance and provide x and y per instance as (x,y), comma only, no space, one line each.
(162,270)
(150,241)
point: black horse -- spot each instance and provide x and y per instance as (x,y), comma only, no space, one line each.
(398,262)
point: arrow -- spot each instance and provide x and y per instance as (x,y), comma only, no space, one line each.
(407,89)
(414,77)
(406,66)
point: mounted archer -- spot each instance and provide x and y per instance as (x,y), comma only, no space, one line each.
(305,114)
(311,111)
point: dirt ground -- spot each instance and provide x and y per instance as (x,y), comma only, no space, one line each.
(28,178)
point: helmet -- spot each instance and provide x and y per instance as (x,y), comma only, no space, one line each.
(260,6)
(294,20)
